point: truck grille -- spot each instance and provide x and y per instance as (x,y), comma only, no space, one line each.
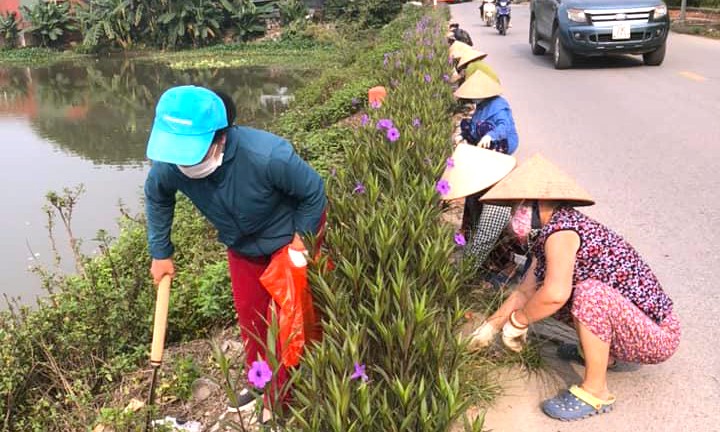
(610,17)
(605,38)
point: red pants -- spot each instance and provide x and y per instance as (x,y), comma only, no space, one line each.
(251,304)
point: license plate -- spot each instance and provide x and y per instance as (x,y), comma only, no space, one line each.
(621,31)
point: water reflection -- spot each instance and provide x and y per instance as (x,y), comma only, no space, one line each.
(102,111)
(88,123)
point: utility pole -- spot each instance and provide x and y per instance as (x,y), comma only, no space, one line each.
(683,7)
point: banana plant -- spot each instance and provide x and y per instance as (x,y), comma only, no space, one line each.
(51,22)
(9,30)
(111,22)
(195,22)
(246,17)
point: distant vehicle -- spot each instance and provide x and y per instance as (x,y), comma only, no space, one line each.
(502,20)
(488,12)
(570,28)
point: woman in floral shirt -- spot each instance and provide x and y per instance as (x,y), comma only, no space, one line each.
(587,276)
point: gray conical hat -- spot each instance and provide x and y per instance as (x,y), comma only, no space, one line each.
(537,179)
(473,169)
(478,86)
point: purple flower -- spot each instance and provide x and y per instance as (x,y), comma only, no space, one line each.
(375,104)
(364,120)
(451,61)
(393,134)
(428,78)
(446,77)
(430,56)
(359,188)
(416,122)
(394,83)
(359,372)
(354,101)
(259,374)
(443,187)
(419,56)
(384,124)
(398,63)
(460,239)
(450,162)
(333,171)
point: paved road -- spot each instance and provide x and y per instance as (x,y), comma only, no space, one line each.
(645,141)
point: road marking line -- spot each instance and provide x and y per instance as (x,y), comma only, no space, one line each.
(693,76)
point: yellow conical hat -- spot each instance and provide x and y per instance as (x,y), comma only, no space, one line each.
(472,169)
(537,179)
(458,48)
(478,86)
(468,56)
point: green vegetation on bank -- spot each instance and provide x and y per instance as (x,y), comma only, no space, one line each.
(61,360)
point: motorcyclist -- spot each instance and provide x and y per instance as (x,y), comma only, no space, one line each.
(509,15)
(482,7)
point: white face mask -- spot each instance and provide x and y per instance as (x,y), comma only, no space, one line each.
(204,168)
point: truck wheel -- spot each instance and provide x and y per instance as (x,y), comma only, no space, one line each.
(655,58)
(562,57)
(536,49)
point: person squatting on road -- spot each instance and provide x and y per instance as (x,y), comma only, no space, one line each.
(458,34)
(585,275)
(250,184)
(469,61)
(491,127)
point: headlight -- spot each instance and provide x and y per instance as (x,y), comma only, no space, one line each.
(660,11)
(577,15)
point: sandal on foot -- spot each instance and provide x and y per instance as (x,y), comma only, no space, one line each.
(576,404)
(571,352)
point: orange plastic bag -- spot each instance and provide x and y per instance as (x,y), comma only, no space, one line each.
(286,281)
(377,95)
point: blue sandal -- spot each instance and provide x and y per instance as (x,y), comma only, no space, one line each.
(576,404)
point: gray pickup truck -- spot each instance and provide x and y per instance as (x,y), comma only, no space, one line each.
(570,28)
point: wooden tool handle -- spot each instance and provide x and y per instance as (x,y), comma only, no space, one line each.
(160,323)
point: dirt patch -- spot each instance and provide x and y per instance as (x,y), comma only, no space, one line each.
(699,23)
(190,385)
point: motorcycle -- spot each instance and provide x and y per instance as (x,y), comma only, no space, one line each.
(488,12)
(502,16)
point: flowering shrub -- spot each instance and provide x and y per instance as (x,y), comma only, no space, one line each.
(389,359)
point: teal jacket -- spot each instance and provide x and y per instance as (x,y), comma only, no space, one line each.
(260,196)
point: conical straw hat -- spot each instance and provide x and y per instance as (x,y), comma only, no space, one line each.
(458,48)
(537,179)
(468,56)
(472,169)
(478,86)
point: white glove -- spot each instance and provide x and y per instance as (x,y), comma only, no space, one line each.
(485,141)
(513,336)
(482,337)
(298,257)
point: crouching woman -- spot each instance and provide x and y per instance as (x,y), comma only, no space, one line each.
(587,276)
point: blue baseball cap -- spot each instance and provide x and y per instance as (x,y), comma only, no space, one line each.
(186,119)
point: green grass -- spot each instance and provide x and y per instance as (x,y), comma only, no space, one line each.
(35,56)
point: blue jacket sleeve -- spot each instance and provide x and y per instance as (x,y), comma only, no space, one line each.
(159,212)
(294,177)
(501,121)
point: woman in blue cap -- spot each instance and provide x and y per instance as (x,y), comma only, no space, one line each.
(250,184)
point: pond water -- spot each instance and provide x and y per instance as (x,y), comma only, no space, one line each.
(87,123)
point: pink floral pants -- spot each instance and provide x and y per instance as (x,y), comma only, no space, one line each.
(633,337)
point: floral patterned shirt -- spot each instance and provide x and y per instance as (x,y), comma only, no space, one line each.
(606,257)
